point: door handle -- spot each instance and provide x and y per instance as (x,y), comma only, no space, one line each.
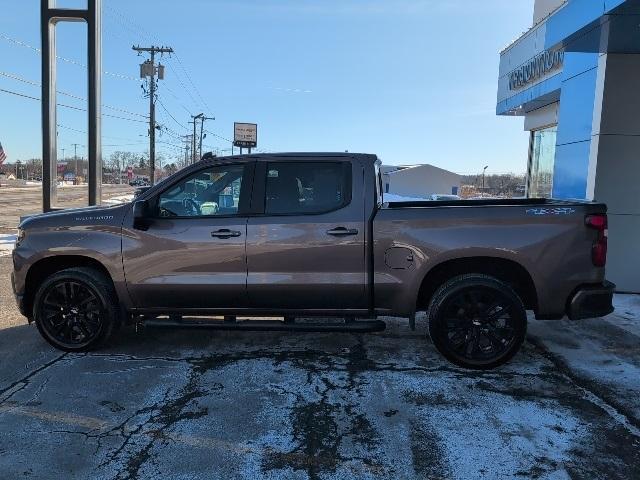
(342,231)
(225,233)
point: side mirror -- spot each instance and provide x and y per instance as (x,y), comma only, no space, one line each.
(140,210)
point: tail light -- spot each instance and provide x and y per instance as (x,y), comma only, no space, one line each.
(599,223)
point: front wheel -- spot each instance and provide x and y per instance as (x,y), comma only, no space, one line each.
(477,321)
(76,309)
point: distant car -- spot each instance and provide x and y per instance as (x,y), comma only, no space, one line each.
(139,182)
(443,197)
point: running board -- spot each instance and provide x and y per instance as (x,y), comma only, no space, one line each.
(361,326)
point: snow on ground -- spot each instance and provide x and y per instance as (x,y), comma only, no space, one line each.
(392,197)
(627,314)
(118,199)
(7,241)
(602,352)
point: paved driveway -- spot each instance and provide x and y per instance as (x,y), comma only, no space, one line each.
(164,404)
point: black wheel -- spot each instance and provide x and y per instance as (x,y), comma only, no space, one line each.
(477,321)
(76,309)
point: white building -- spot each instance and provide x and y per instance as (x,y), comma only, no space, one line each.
(419,180)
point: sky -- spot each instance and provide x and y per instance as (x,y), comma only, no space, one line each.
(413,81)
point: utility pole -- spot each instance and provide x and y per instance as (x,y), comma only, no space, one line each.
(188,139)
(203,118)
(149,69)
(194,152)
(75,159)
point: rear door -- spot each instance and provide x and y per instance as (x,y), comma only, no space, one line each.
(306,239)
(192,253)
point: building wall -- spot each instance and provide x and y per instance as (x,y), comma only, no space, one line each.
(543,8)
(422,180)
(575,125)
(615,159)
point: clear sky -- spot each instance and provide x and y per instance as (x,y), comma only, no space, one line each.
(413,81)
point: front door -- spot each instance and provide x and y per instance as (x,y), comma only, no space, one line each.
(306,248)
(192,253)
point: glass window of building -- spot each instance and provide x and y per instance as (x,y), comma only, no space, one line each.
(543,154)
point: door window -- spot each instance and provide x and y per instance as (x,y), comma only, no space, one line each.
(214,191)
(307,187)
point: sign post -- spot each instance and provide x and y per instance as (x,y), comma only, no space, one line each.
(245,135)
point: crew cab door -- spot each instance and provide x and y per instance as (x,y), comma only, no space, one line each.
(191,252)
(306,239)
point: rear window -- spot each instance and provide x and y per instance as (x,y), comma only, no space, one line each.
(307,187)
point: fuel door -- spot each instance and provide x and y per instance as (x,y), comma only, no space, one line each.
(399,258)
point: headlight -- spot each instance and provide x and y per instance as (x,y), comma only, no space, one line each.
(21,235)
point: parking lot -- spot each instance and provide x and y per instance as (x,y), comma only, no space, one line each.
(292,405)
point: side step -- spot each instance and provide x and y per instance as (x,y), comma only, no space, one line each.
(361,326)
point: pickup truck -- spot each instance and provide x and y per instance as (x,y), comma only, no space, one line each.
(310,235)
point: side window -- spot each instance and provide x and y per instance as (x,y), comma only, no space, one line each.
(307,187)
(214,191)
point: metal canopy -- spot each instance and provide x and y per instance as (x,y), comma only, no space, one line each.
(50,16)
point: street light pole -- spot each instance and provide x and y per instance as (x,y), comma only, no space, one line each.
(483,172)
(202,119)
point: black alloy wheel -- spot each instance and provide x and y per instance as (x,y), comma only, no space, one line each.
(477,321)
(75,309)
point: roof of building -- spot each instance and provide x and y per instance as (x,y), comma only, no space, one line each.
(406,168)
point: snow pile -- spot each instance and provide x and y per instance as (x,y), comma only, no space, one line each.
(7,241)
(392,197)
(118,200)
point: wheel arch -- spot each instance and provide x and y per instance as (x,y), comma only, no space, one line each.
(509,271)
(48,266)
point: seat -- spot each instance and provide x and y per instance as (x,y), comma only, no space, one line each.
(283,195)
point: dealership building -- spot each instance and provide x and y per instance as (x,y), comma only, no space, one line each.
(574,77)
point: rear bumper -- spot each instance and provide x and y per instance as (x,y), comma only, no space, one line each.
(591,301)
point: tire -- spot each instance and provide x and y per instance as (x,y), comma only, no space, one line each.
(477,321)
(88,309)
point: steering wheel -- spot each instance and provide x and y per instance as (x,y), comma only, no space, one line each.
(191,207)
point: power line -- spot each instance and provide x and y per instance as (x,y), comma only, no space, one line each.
(64,59)
(72,107)
(136,30)
(59,125)
(66,94)
(177,98)
(195,102)
(171,133)
(219,136)
(192,84)
(169,113)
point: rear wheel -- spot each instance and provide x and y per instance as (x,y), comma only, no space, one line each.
(76,309)
(477,321)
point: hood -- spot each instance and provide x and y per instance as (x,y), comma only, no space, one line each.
(94,215)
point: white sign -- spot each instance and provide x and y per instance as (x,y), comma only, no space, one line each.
(245,135)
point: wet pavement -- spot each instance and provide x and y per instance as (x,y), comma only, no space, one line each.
(175,404)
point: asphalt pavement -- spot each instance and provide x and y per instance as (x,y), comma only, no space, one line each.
(179,404)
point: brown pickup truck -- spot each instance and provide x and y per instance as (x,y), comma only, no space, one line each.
(310,235)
